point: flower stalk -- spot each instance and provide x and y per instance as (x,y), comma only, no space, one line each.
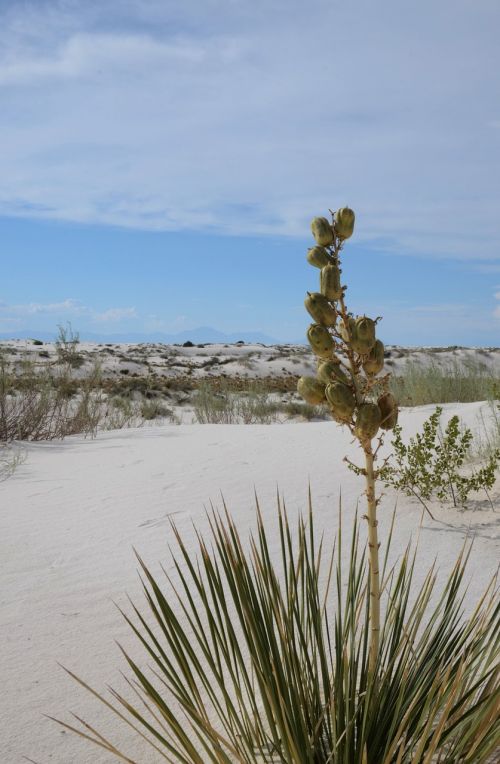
(349,380)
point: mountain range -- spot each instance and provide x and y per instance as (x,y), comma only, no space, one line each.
(199,335)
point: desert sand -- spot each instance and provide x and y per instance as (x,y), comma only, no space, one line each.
(248,361)
(73,511)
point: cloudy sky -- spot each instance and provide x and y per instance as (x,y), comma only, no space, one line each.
(160,162)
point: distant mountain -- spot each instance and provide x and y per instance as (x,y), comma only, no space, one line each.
(200,335)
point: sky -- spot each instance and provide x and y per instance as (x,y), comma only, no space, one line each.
(160,163)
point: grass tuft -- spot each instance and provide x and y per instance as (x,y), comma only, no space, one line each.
(459,383)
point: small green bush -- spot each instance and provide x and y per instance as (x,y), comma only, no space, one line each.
(430,464)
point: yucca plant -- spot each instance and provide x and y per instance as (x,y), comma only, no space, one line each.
(255,660)
(350,359)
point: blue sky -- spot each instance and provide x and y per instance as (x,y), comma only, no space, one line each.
(160,163)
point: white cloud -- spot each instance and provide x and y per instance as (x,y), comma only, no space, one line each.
(252,117)
(64,310)
(89,55)
(115,314)
(68,306)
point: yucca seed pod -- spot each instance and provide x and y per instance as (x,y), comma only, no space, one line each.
(341,400)
(311,390)
(320,309)
(365,329)
(330,371)
(320,340)
(344,222)
(322,231)
(364,335)
(389,410)
(368,421)
(330,282)
(346,334)
(318,256)
(375,361)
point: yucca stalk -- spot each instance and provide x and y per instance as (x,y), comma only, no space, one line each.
(264,662)
(359,399)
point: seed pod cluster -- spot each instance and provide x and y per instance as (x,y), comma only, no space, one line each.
(339,384)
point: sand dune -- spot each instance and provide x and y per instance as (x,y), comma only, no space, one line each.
(246,360)
(72,512)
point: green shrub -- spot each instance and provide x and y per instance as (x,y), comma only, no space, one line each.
(430,464)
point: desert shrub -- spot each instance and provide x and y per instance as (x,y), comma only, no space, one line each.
(38,406)
(121,412)
(430,465)
(487,436)
(37,342)
(154,408)
(67,342)
(256,407)
(10,458)
(221,404)
(214,407)
(305,410)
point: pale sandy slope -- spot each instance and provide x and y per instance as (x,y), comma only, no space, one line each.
(71,514)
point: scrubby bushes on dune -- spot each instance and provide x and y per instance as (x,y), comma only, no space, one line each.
(44,405)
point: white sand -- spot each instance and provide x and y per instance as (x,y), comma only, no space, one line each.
(71,513)
(252,361)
